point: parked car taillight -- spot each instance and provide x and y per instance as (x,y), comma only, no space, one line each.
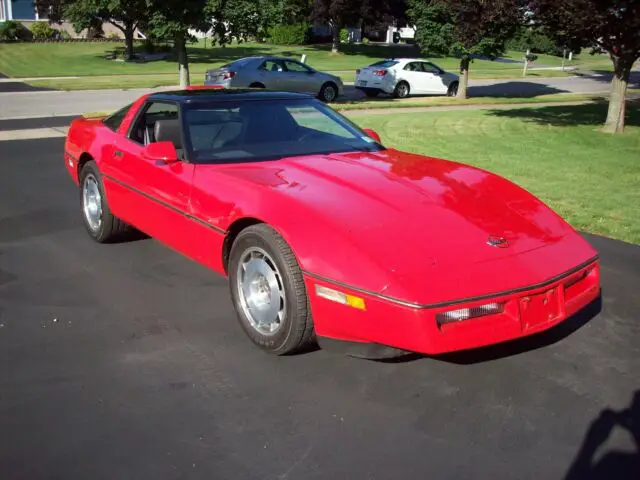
(380,73)
(228,75)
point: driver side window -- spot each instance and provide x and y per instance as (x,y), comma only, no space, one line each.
(296,67)
(271,66)
(144,129)
(430,68)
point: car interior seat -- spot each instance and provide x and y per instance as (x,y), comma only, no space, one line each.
(169,131)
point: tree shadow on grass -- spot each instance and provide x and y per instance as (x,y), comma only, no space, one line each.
(500,90)
(594,113)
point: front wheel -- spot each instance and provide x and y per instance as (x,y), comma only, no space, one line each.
(268,291)
(453,89)
(101,224)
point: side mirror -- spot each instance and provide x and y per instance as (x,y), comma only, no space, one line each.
(164,152)
(372,134)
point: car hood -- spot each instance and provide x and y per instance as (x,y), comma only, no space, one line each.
(420,218)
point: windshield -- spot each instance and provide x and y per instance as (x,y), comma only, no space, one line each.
(252,130)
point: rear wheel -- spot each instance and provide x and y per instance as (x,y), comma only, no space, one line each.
(328,92)
(101,224)
(402,90)
(268,291)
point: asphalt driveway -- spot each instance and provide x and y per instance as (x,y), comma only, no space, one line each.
(125,361)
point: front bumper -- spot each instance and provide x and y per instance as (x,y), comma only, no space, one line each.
(527,312)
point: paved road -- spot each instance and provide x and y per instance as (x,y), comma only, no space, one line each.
(125,361)
(17,104)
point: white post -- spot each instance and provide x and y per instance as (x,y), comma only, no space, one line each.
(564,55)
(9,11)
(526,63)
(304,58)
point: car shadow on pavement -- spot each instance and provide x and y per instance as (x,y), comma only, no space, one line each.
(592,113)
(610,464)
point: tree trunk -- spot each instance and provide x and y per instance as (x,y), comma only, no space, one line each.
(128,41)
(335,43)
(617,101)
(464,77)
(183,61)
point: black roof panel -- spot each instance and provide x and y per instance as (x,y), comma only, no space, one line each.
(222,94)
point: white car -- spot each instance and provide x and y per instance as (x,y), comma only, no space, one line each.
(402,77)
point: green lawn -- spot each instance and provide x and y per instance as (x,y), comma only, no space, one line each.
(590,178)
(441,101)
(87,59)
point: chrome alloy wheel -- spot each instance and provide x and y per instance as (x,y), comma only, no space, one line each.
(329,93)
(261,292)
(403,90)
(92,202)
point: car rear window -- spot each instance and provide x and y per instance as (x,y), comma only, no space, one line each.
(384,64)
(237,63)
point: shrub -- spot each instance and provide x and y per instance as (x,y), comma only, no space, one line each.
(12,30)
(297,34)
(113,36)
(535,40)
(344,35)
(148,46)
(42,30)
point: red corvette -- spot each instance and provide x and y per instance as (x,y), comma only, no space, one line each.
(324,234)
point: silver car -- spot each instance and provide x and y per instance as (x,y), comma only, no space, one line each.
(276,73)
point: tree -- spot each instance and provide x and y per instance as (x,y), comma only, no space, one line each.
(175,18)
(125,15)
(480,27)
(611,26)
(434,27)
(337,13)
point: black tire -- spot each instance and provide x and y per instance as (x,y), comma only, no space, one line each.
(453,89)
(402,90)
(257,85)
(372,93)
(110,228)
(296,332)
(328,92)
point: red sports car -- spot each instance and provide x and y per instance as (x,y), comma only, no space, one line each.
(325,234)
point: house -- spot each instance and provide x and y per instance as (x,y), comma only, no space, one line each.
(25,12)
(20,10)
